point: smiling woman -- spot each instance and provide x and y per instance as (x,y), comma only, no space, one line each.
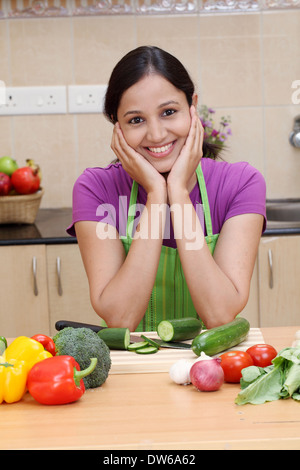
(159,129)
(161,257)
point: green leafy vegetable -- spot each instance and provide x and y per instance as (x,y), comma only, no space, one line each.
(280,380)
(80,343)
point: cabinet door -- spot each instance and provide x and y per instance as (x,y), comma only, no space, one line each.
(23,291)
(68,287)
(279,274)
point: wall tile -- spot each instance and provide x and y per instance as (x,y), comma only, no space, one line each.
(247,140)
(6,136)
(99,42)
(4,57)
(281,64)
(40,51)
(282,160)
(50,141)
(177,35)
(94,134)
(230,60)
(242,64)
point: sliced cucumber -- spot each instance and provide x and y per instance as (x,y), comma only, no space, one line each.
(115,338)
(135,346)
(151,342)
(147,350)
(179,329)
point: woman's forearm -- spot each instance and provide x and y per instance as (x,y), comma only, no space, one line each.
(216,298)
(125,298)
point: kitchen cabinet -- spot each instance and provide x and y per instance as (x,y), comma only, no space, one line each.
(68,288)
(23,290)
(279,274)
(41,284)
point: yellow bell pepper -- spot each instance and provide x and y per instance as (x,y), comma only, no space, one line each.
(27,350)
(13,377)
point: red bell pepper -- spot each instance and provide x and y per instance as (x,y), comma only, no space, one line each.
(58,380)
(46,341)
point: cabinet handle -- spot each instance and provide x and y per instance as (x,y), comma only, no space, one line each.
(58,271)
(34,270)
(271,281)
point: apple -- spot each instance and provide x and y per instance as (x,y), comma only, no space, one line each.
(8,165)
(26,180)
(5,184)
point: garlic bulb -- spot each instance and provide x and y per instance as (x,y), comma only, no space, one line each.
(180,372)
(203,357)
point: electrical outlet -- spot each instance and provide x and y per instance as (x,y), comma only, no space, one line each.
(34,100)
(86,98)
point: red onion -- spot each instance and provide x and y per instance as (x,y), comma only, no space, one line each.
(208,375)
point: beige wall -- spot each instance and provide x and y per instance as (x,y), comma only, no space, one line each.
(242,64)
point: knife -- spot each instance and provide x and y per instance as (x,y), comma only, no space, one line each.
(61,324)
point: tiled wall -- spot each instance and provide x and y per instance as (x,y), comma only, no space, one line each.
(243,65)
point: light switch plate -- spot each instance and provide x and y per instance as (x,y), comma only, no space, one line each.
(34,100)
(86,98)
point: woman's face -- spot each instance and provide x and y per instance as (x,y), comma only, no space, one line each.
(155,119)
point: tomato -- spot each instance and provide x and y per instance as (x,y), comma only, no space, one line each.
(232,363)
(47,342)
(25,180)
(262,354)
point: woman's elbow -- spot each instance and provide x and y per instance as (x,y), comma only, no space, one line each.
(113,319)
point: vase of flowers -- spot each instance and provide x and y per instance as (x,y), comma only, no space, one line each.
(214,133)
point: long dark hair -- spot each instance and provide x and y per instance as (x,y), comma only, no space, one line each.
(140,62)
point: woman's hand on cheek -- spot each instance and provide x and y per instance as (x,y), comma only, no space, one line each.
(190,155)
(138,168)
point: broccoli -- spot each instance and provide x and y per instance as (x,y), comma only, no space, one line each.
(83,344)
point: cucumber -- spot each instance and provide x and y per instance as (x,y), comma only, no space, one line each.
(222,337)
(147,350)
(179,329)
(151,342)
(135,346)
(115,338)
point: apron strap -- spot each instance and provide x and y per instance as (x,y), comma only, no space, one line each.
(131,208)
(205,202)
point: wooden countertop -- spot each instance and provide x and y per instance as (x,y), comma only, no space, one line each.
(150,412)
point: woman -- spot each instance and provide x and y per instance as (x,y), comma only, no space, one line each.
(148,250)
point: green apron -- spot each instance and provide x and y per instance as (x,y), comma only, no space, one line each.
(170,296)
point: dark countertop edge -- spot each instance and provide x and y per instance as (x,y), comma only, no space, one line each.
(73,240)
(40,241)
(50,229)
(282,231)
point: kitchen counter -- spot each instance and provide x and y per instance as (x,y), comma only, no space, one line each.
(50,228)
(147,411)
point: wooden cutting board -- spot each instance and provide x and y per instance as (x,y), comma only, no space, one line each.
(129,362)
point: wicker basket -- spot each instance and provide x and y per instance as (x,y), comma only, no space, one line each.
(19,209)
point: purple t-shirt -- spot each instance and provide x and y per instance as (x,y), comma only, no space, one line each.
(103,194)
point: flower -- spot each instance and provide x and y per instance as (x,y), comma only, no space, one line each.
(214,134)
